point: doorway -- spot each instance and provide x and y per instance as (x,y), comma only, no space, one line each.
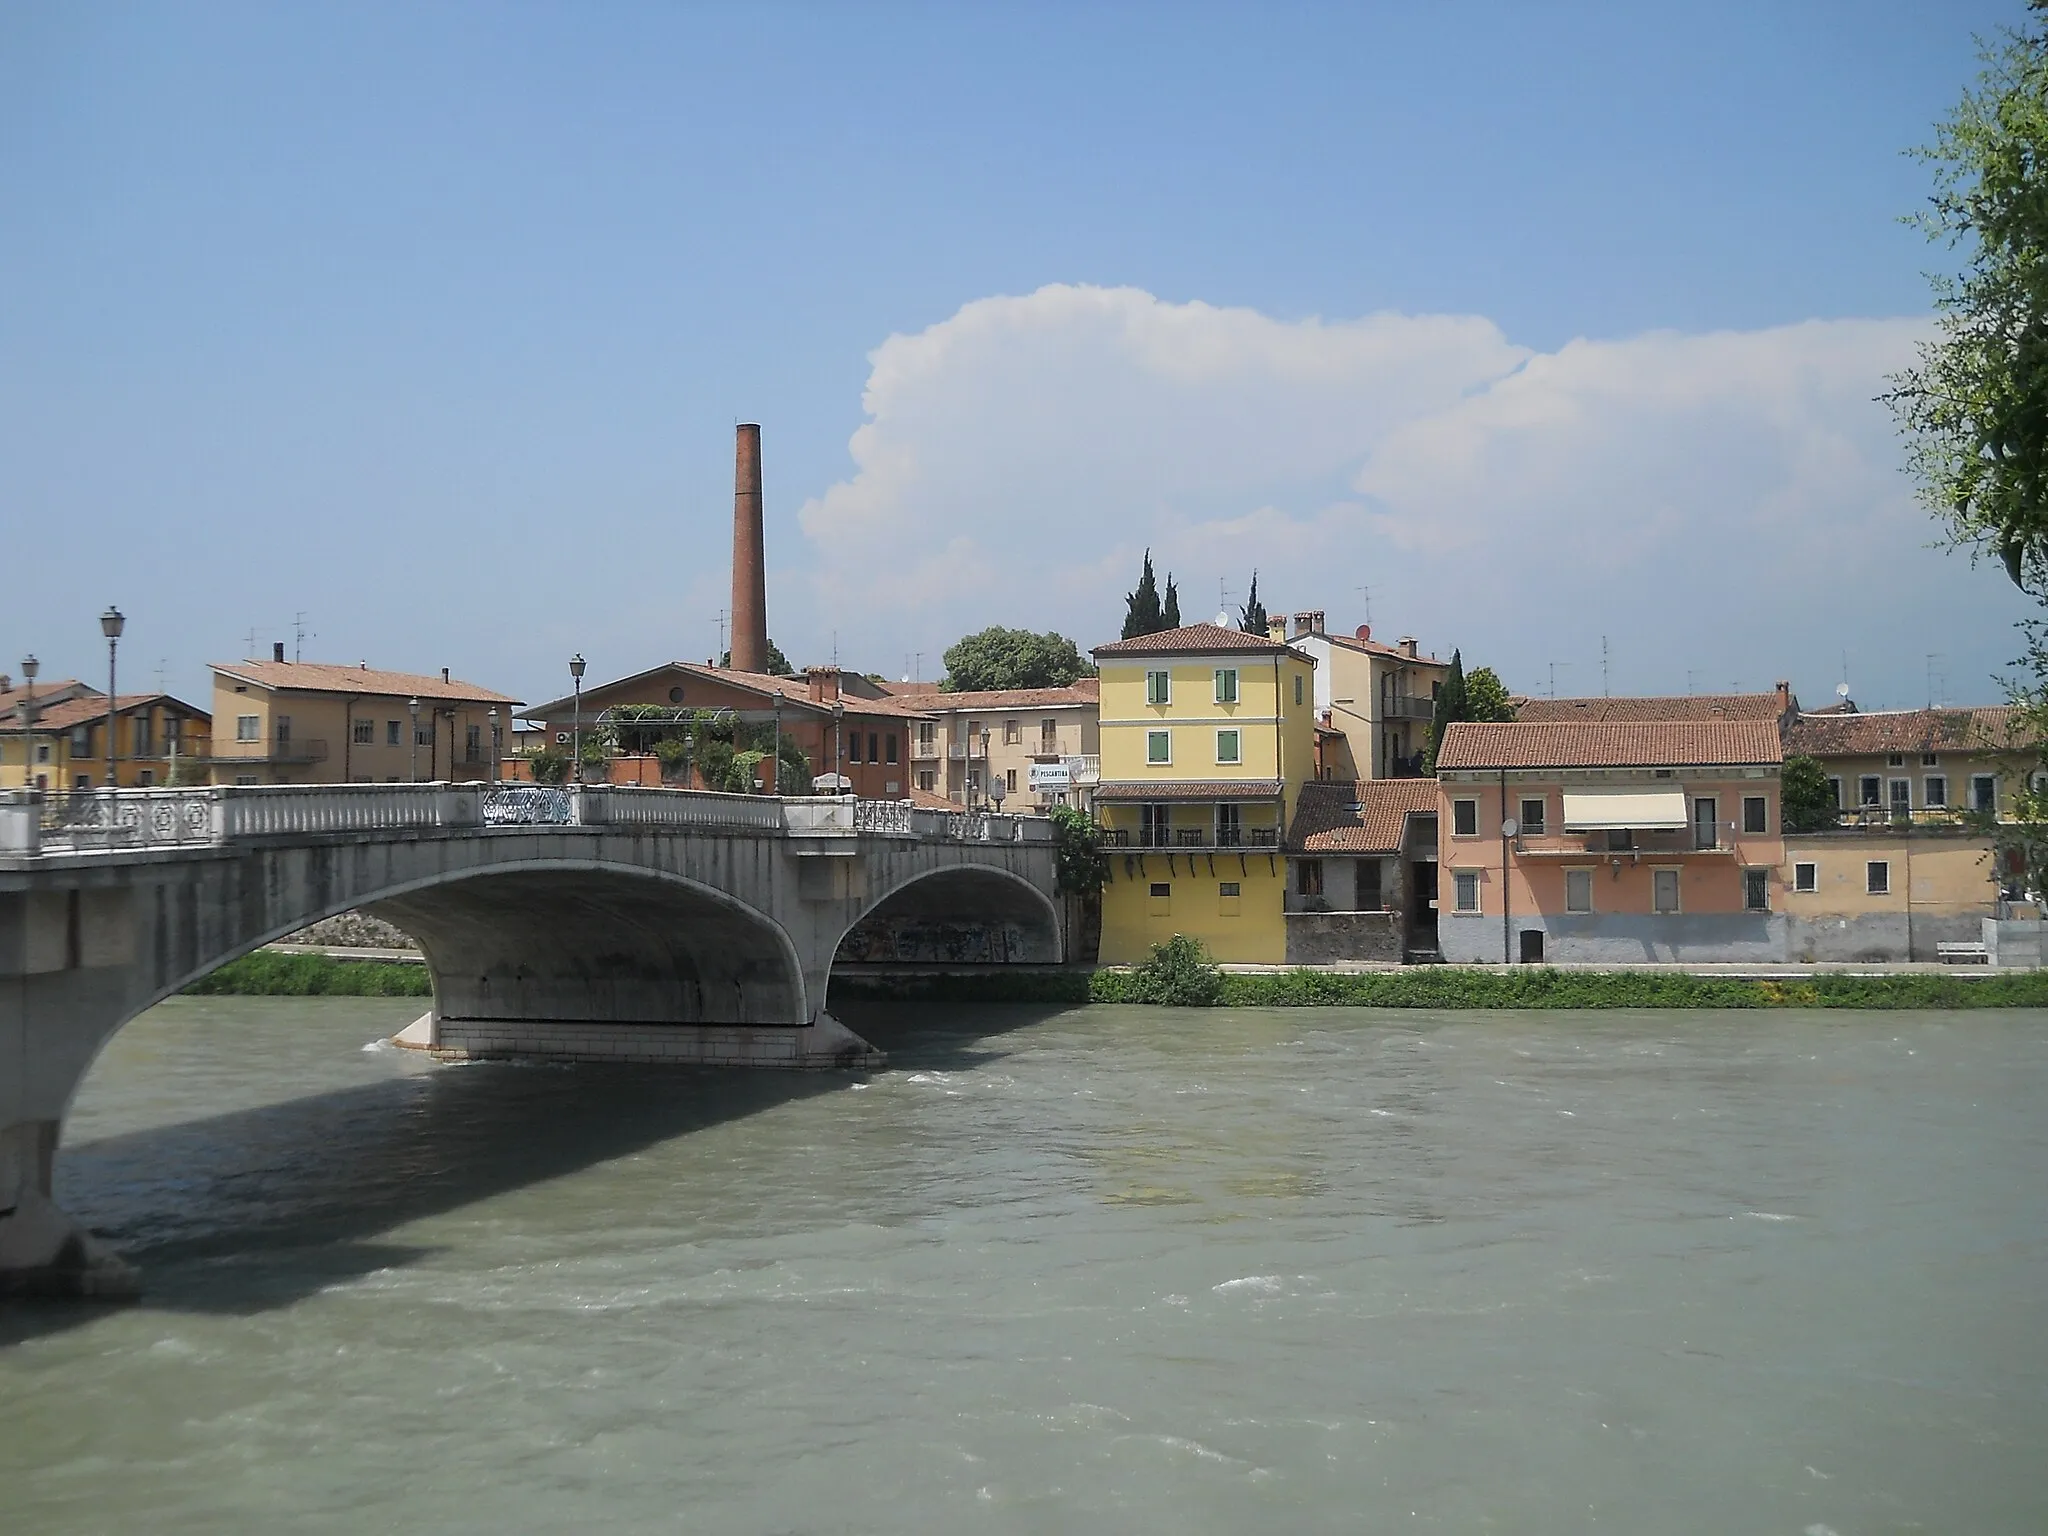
(1532,946)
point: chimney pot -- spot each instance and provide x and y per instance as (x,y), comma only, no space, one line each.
(749,577)
(277,650)
(444,674)
(1411,647)
(1276,629)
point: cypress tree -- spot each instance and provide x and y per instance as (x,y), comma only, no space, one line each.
(1169,615)
(1254,612)
(1450,705)
(1143,616)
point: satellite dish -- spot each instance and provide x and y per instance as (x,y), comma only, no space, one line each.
(1510,827)
(1223,619)
(1841,690)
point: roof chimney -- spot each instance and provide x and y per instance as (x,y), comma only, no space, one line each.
(1308,622)
(277,650)
(749,577)
(1411,647)
(1784,697)
(1276,629)
(823,683)
(444,674)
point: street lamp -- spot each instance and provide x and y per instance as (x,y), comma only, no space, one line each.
(576,731)
(111,625)
(29,668)
(689,747)
(414,706)
(984,760)
(839,744)
(494,743)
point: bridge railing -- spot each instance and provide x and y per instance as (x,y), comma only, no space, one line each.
(106,820)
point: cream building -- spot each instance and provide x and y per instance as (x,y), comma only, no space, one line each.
(1036,746)
(1374,701)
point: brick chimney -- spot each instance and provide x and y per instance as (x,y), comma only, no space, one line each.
(1784,698)
(1308,622)
(277,650)
(749,574)
(1276,629)
(823,683)
(1411,647)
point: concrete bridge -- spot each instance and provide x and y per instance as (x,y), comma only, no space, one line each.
(587,923)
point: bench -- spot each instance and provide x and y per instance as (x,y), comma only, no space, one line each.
(1961,953)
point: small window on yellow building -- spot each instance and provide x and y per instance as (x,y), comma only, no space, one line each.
(1227,902)
(1161,899)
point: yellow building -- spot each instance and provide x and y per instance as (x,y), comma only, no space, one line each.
(1914,765)
(1886,893)
(1207,736)
(63,743)
(290,722)
(1374,701)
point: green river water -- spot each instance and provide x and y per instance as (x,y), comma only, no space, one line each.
(1101,1269)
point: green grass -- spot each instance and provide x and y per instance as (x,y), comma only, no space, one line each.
(266,973)
(1442,986)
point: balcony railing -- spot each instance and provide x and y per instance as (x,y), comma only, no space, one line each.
(1191,837)
(1407,707)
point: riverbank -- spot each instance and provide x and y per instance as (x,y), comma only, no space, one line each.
(273,973)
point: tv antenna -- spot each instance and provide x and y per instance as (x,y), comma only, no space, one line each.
(300,635)
(1553,675)
(1366,593)
(721,632)
(249,643)
(1604,693)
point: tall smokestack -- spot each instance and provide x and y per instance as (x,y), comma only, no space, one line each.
(749,575)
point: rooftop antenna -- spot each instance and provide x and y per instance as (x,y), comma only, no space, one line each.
(163,668)
(249,642)
(1934,695)
(1553,675)
(1603,668)
(1366,592)
(1688,679)
(722,617)
(300,634)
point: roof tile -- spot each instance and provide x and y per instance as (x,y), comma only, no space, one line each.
(1616,744)
(326,677)
(1905,730)
(1367,816)
(1692,706)
(1195,640)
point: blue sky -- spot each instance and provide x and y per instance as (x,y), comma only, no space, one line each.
(434,322)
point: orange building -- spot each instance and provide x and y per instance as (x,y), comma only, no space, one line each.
(1610,842)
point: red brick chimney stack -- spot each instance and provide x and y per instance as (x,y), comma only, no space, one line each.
(749,573)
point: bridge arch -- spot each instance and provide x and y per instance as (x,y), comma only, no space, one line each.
(964,914)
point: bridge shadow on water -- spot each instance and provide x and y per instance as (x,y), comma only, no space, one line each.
(243,1212)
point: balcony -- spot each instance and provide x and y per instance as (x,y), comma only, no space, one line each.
(1196,839)
(924,751)
(1407,707)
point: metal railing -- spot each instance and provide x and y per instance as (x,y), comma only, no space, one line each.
(1191,837)
(81,821)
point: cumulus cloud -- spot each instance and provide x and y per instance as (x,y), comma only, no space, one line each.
(1725,508)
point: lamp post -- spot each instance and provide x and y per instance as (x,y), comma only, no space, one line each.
(775,762)
(839,744)
(689,748)
(984,761)
(494,743)
(111,625)
(29,668)
(414,706)
(576,722)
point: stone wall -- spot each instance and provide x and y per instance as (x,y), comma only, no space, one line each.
(1619,940)
(1331,938)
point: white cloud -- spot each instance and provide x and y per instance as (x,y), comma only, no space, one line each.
(1727,505)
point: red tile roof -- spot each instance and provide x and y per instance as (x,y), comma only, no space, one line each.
(1379,648)
(1129,790)
(1691,706)
(1086,693)
(793,691)
(1830,734)
(93,706)
(54,691)
(1195,640)
(1369,816)
(1617,744)
(326,677)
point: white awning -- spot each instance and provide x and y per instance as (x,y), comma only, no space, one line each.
(1635,809)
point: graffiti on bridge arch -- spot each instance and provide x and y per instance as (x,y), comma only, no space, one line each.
(911,940)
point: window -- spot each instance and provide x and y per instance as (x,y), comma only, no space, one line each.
(1159,746)
(363,733)
(1308,877)
(1621,840)
(391,736)
(1756,890)
(875,746)
(1936,789)
(423,735)
(1297,688)
(1161,904)
(473,744)
(1229,828)
(146,777)
(284,730)
(889,745)
(1155,825)
(1929,759)
(84,781)
(1013,733)
(1755,813)
(1578,890)
(1226,685)
(1009,781)
(1896,760)
(1706,822)
(174,734)
(1465,818)
(1158,687)
(1902,797)
(1806,877)
(42,751)
(1369,895)
(141,737)
(1226,747)
(248,728)
(1835,788)
(928,780)
(1664,891)
(248,780)
(1162,888)
(1228,889)
(1869,791)
(1877,877)
(1048,736)
(925,731)
(1983,792)
(1465,890)
(1533,814)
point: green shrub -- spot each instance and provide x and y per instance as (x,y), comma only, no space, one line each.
(548,765)
(267,973)
(1180,974)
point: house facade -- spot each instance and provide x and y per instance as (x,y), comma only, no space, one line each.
(1207,735)
(1610,843)
(290,722)
(1039,746)
(1925,766)
(1882,893)
(158,740)
(1374,701)
(1362,865)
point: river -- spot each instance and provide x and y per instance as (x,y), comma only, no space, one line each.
(1088,1270)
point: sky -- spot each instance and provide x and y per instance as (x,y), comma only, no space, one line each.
(1549,333)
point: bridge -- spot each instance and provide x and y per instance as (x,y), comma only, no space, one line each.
(584,923)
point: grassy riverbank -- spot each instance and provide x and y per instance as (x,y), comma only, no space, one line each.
(267,973)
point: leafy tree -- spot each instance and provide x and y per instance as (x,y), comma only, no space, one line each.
(1079,863)
(548,765)
(1143,615)
(1450,706)
(1012,658)
(1254,621)
(1806,801)
(1487,697)
(1169,613)
(778,664)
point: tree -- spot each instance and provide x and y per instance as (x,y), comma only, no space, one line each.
(1486,696)
(1143,615)
(1080,866)
(1012,658)
(1975,409)
(1254,620)
(1169,613)
(778,664)
(1806,801)
(1450,706)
